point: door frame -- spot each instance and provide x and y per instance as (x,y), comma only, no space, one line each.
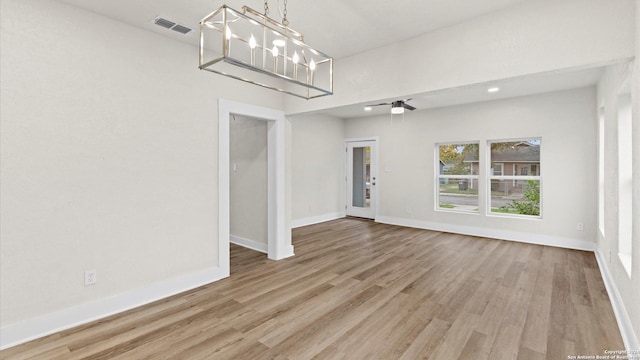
(374,171)
(278,235)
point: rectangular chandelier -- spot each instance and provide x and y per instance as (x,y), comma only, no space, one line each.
(254,48)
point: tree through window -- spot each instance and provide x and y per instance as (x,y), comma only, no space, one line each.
(457,179)
(515,191)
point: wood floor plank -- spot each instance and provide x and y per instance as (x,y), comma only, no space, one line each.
(427,341)
(61,352)
(310,340)
(474,348)
(524,292)
(506,344)
(562,317)
(528,354)
(357,289)
(37,347)
(456,337)
(534,335)
(313,309)
(602,310)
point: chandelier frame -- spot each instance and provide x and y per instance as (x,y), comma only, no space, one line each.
(306,75)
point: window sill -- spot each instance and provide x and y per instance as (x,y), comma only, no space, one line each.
(625,259)
(513,216)
(457,211)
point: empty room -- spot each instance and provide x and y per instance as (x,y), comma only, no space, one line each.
(297,179)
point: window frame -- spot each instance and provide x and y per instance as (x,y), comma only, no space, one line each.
(501,168)
(469,177)
(513,178)
(601,170)
(625,178)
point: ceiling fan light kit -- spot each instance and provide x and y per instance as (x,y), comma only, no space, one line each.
(397,107)
(250,46)
(396,110)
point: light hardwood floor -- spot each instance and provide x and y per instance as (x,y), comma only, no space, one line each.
(361,290)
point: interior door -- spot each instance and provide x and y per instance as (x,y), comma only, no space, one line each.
(361,178)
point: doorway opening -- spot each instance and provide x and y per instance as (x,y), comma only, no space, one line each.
(278,231)
(248,200)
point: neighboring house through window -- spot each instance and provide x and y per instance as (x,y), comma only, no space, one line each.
(513,174)
(516,189)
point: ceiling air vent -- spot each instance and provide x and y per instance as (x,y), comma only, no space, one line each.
(168,24)
(163,22)
(181,29)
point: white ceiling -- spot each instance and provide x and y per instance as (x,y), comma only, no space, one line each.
(513,87)
(344,28)
(338,28)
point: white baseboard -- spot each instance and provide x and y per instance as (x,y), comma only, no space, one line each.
(283,253)
(622,317)
(248,243)
(317,219)
(47,324)
(529,238)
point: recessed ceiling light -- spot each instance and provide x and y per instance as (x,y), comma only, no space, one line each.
(368,108)
(493,89)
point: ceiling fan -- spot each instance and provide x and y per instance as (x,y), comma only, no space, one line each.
(398,106)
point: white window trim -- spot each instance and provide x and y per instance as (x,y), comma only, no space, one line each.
(601,170)
(511,177)
(625,178)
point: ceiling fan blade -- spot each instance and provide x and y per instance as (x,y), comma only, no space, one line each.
(409,107)
(379,104)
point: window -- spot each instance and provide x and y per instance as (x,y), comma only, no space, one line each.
(515,191)
(457,168)
(497,169)
(625,180)
(601,172)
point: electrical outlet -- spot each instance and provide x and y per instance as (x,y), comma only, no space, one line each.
(580,226)
(90,277)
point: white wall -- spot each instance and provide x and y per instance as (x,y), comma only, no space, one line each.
(248,178)
(109,152)
(564,120)
(528,38)
(622,285)
(318,155)
(109,158)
